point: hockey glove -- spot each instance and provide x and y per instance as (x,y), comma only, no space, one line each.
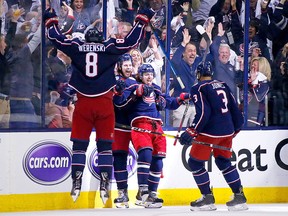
(187,136)
(183,97)
(160,103)
(144,90)
(120,86)
(144,16)
(50,18)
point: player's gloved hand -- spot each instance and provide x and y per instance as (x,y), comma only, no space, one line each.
(144,16)
(120,86)
(50,18)
(183,98)
(187,136)
(144,90)
(160,103)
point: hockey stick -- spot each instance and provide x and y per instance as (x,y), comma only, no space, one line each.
(171,136)
(204,34)
(144,130)
(181,123)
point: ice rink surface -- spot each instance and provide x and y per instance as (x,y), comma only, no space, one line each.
(254,210)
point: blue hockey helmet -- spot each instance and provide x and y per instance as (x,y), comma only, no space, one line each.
(94,36)
(146,68)
(204,69)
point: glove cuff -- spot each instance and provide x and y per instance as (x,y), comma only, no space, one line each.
(51,21)
(116,92)
(184,96)
(192,132)
(139,90)
(142,18)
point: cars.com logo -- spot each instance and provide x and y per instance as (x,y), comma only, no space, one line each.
(131,163)
(47,162)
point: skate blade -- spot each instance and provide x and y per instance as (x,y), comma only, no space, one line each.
(153,205)
(104,196)
(139,203)
(75,195)
(239,207)
(122,205)
(210,207)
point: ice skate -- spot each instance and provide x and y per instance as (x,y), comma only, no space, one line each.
(141,195)
(153,201)
(238,202)
(205,203)
(122,200)
(104,187)
(76,186)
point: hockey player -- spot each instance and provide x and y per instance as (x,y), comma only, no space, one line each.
(93,63)
(151,149)
(122,137)
(217,120)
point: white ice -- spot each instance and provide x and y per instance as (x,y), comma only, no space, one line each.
(254,210)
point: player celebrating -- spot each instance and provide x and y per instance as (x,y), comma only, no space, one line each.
(93,63)
(151,148)
(122,137)
(217,121)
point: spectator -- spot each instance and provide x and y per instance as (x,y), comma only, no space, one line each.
(260,76)
(185,62)
(5,75)
(159,19)
(224,70)
(57,116)
(21,89)
(82,17)
(153,56)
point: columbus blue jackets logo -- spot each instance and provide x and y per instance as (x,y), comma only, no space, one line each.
(150,99)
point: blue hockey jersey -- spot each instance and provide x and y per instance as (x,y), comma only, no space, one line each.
(217,113)
(144,106)
(93,63)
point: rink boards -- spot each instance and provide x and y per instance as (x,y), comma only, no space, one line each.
(36,172)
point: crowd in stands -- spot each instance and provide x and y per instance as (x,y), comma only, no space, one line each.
(21,73)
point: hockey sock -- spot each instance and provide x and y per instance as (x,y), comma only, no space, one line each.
(155,173)
(200,175)
(143,166)
(105,158)
(78,157)
(230,173)
(120,169)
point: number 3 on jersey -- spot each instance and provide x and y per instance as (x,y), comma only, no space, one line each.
(91,64)
(224,100)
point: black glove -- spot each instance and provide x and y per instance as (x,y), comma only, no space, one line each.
(144,90)
(50,18)
(187,136)
(183,97)
(120,86)
(144,16)
(160,103)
